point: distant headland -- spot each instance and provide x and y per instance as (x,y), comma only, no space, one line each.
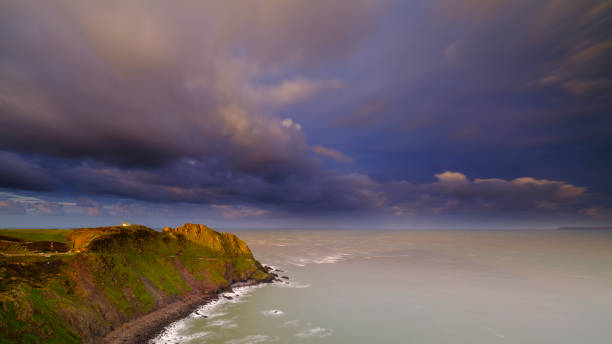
(585,228)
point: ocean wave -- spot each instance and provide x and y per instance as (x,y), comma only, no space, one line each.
(253,339)
(237,295)
(376,256)
(332,259)
(298,261)
(291,323)
(291,284)
(171,335)
(223,323)
(315,332)
(273,267)
(210,310)
(329,259)
(273,313)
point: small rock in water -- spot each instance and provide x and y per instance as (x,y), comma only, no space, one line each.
(285,277)
(228,297)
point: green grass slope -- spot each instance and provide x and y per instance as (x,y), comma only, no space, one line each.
(113,275)
(37,234)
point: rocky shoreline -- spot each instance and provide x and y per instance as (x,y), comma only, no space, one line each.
(149,326)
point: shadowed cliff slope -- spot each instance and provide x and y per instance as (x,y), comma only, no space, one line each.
(100,278)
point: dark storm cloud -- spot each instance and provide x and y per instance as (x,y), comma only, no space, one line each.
(528,41)
(161,102)
(486,88)
(489,63)
(18,173)
(227,104)
(454,192)
(142,84)
(236,196)
(193,181)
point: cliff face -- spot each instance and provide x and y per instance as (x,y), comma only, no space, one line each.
(225,244)
(112,275)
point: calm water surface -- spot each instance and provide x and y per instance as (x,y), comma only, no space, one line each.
(418,287)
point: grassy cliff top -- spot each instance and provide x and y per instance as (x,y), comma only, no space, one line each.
(59,235)
(109,239)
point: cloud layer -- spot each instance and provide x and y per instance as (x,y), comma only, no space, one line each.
(263,109)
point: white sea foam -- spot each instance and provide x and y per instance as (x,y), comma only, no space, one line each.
(170,333)
(315,332)
(273,313)
(210,310)
(497,334)
(329,259)
(273,267)
(291,323)
(174,336)
(291,284)
(298,261)
(223,323)
(253,339)
(214,310)
(378,256)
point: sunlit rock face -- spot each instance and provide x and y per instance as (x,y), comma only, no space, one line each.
(226,244)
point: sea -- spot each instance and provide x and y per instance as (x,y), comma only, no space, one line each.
(416,286)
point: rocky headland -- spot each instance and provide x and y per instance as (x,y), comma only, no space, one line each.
(115,284)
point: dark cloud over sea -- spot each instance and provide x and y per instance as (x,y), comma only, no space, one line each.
(265,111)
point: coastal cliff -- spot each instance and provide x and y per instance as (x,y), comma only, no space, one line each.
(95,284)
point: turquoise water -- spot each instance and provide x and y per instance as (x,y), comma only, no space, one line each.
(417,287)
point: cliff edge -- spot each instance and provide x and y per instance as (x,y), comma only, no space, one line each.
(97,280)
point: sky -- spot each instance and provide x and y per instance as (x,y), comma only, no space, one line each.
(306,114)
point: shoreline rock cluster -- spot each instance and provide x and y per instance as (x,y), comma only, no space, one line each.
(146,328)
(154,327)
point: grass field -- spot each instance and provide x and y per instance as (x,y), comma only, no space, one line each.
(37,234)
